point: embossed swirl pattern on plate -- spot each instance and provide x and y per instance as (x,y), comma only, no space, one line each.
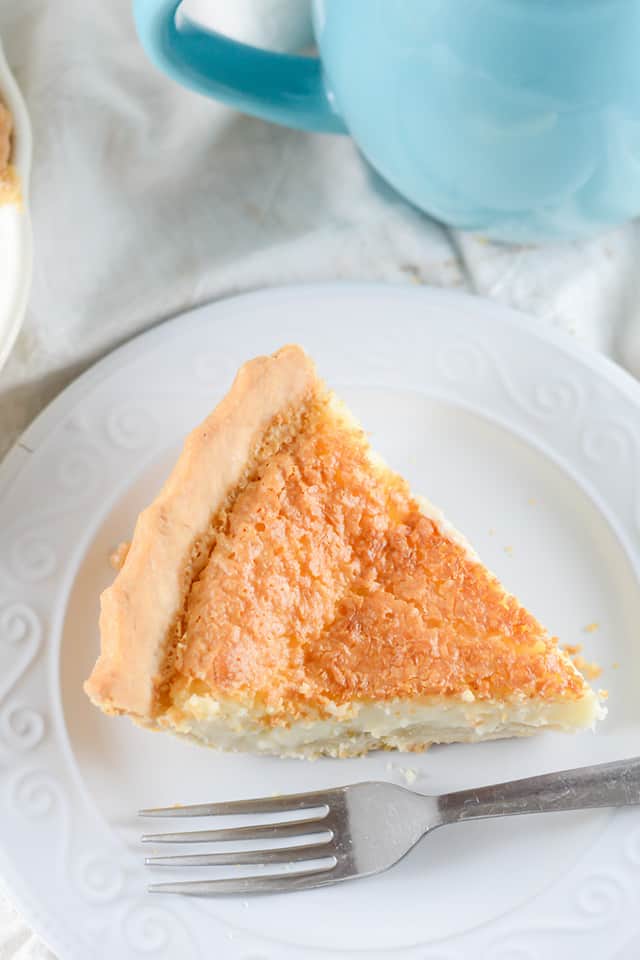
(75,479)
(99,877)
(149,929)
(35,793)
(131,427)
(601,896)
(31,557)
(468,362)
(614,445)
(21,728)
(20,639)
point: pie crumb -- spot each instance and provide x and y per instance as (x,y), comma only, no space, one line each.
(118,556)
(591,627)
(9,180)
(572,648)
(589,670)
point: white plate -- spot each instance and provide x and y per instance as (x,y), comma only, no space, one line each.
(526,441)
(15,226)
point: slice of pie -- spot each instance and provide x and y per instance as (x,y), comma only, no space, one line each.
(286,593)
(9,182)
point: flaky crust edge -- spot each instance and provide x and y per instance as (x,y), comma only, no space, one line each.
(138,610)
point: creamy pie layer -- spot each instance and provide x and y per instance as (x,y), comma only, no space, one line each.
(351,729)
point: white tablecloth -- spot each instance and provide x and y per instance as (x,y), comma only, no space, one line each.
(148,200)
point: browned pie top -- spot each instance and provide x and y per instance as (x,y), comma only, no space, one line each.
(280,566)
(328,582)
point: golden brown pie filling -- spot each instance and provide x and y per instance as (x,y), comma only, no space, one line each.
(327,583)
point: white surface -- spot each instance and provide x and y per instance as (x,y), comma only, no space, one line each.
(479,410)
(147,200)
(15,228)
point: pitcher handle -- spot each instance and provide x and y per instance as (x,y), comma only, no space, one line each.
(274,86)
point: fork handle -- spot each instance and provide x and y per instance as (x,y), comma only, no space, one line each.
(600,785)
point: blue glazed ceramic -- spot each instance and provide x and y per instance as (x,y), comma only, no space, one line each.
(516,118)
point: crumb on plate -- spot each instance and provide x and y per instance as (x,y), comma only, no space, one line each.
(410,775)
(589,670)
(572,648)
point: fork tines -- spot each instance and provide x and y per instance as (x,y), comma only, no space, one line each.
(322,852)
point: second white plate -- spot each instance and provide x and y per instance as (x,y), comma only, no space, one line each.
(15,225)
(531,446)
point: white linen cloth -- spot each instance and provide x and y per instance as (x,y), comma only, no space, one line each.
(148,200)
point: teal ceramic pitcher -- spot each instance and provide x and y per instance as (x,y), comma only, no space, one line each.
(516,118)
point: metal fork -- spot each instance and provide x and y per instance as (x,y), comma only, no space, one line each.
(368,827)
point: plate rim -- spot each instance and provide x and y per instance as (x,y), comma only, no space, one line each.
(568,344)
